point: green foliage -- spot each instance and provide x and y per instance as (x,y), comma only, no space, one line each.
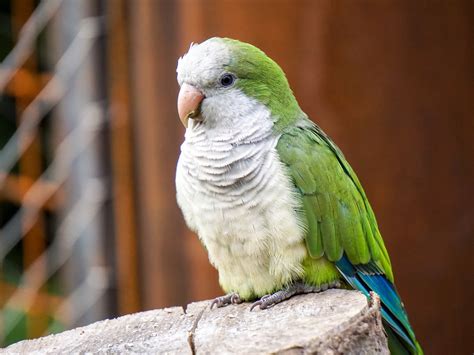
(19,331)
(55,326)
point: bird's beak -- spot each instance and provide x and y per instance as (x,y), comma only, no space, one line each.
(189,103)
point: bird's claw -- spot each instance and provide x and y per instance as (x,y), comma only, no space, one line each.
(296,288)
(222,301)
(263,303)
(235,299)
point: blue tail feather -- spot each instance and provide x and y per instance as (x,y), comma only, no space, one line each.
(369,278)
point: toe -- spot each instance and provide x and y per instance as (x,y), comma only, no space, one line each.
(215,302)
(222,301)
(235,299)
(256,304)
(219,302)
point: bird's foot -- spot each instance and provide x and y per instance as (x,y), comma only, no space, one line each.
(296,288)
(222,301)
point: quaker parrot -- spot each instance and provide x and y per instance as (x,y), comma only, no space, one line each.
(272,198)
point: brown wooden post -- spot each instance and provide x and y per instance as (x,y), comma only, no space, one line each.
(157,137)
(122,163)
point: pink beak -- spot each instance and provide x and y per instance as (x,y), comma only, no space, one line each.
(189,100)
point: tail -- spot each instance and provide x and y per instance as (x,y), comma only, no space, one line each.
(369,277)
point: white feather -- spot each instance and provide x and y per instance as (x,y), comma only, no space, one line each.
(234,192)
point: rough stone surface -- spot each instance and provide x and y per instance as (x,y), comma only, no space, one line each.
(331,322)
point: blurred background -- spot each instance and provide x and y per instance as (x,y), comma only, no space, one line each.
(89,139)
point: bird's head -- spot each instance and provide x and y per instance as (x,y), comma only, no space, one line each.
(222,79)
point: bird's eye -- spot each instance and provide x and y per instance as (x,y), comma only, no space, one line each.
(227,80)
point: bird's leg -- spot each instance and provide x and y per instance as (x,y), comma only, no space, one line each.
(296,288)
(222,301)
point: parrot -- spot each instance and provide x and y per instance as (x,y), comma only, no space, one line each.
(273,200)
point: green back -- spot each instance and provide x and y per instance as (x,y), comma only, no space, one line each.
(338,214)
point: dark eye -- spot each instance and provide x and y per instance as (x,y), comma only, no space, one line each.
(227,80)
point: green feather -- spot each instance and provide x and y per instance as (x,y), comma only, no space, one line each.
(353,238)
(319,271)
(328,215)
(367,231)
(332,195)
(259,77)
(314,241)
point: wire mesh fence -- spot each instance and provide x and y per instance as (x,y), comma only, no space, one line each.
(53,193)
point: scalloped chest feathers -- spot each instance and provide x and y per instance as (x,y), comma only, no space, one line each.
(234,192)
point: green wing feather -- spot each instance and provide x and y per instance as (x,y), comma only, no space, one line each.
(338,214)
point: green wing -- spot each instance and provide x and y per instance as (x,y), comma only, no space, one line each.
(338,214)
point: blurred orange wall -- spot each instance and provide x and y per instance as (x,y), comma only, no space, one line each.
(390,81)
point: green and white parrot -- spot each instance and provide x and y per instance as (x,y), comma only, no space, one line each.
(272,198)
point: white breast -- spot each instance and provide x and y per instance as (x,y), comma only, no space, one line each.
(234,193)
